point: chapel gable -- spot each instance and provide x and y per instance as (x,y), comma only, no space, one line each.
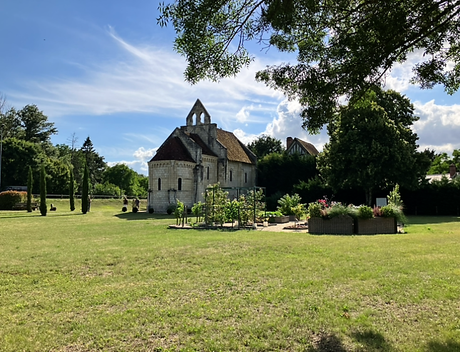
(199,113)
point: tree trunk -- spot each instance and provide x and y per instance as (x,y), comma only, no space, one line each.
(369,197)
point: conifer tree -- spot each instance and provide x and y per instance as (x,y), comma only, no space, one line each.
(85,191)
(71,191)
(43,208)
(30,182)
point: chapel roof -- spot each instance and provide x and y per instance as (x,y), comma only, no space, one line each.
(235,149)
(204,148)
(172,149)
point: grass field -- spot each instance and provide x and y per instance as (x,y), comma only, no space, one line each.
(112,281)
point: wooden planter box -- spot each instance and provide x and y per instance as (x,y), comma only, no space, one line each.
(342,225)
(278,219)
(375,226)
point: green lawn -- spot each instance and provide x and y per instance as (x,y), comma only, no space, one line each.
(112,281)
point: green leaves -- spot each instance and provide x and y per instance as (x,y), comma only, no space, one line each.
(343,47)
(371,145)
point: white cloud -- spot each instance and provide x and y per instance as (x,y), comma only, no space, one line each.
(143,78)
(438,127)
(287,123)
(242,115)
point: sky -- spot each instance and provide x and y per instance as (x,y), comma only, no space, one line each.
(106,69)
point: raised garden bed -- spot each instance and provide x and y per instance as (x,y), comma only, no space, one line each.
(278,219)
(342,225)
(375,226)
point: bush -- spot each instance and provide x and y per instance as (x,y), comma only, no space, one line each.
(107,189)
(288,203)
(365,212)
(10,198)
(171,209)
(314,210)
(339,209)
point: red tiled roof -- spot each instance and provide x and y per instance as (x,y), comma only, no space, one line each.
(172,149)
(235,149)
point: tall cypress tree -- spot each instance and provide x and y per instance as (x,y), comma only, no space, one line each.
(85,191)
(71,191)
(43,208)
(30,182)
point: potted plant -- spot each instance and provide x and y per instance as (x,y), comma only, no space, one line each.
(276,217)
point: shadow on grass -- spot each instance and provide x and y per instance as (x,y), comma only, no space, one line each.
(424,220)
(372,341)
(142,216)
(29,215)
(437,346)
(369,341)
(327,343)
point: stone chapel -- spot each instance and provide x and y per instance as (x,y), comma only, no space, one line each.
(195,156)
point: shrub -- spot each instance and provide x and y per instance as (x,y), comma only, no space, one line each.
(197,211)
(314,210)
(43,207)
(365,212)
(107,189)
(30,182)
(287,203)
(394,198)
(10,198)
(338,209)
(171,209)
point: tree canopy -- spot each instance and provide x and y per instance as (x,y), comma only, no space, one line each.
(265,145)
(372,146)
(343,47)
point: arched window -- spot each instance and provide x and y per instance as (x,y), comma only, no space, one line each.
(179,184)
(231,175)
(159,184)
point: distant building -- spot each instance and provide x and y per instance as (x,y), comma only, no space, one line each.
(296,145)
(453,173)
(197,155)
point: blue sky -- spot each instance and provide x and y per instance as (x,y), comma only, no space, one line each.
(105,69)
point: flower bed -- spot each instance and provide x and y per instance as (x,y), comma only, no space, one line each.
(375,226)
(338,225)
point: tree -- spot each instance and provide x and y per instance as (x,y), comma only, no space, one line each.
(343,47)
(265,145)
(71,191)
(280,172)
(441,163)
(34,125)
(94,162)
(126,179)
(43,208)
(85,191)
(17,156)
(372,146)
(30,182)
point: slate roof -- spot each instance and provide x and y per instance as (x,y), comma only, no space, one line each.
(172,149)
(235,149)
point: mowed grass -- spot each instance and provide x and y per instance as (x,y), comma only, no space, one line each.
(112,281)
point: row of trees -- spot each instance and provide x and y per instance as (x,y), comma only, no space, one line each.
(27,143)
